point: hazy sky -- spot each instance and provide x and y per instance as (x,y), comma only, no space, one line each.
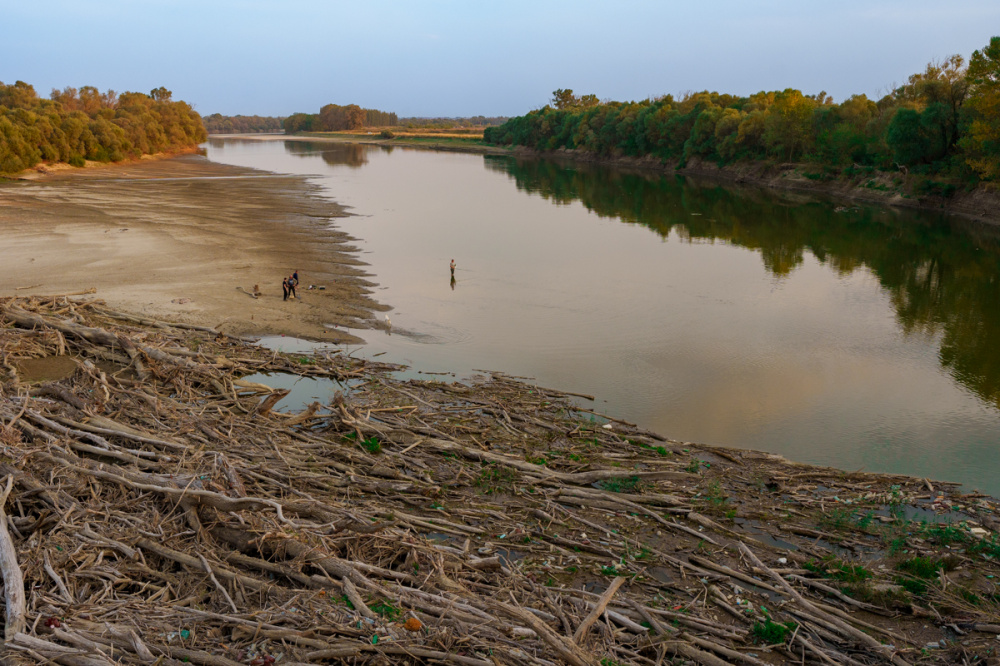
(450,58)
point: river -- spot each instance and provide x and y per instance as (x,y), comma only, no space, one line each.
(840,335)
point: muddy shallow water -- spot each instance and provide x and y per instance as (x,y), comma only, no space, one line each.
(846,336)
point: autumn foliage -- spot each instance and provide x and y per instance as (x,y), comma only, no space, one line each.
(85,124)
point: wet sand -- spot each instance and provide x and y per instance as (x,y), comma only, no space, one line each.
(177,238)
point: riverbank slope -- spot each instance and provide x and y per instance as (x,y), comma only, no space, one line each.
(165,506)
(981,204)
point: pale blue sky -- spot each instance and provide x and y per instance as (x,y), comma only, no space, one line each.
(449,58)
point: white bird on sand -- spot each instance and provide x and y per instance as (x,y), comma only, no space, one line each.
(388,322)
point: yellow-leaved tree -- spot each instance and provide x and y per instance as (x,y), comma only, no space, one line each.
(981,142)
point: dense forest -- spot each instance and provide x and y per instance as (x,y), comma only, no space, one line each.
(334,117)
(220,124)
(77,125)
(944,122)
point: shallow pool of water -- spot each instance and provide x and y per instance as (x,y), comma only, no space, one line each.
(302,391)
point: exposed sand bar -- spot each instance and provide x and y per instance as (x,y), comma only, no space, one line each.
(176,238)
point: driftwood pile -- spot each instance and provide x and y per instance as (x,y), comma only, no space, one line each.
(158,508)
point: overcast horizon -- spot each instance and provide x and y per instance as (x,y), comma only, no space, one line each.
(453,59)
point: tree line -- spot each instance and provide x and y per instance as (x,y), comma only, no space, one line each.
(76,125)
(220,124)
(942,121)
(450,123)
(334,117)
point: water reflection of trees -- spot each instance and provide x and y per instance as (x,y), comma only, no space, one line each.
(354,155)
(943,276)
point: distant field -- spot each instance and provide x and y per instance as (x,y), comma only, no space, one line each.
(420,132)
(463,139)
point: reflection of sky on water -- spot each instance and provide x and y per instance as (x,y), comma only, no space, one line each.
(693,338)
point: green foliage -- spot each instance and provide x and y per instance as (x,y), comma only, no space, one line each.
(771,633)
(921,567)
(494,478)
(386,610)
(299,122)
(928,187)
(919,137)
(387,134)
(970,596)
(372,445)
(628,484)
(693,467)
(912,585)
(945,118)
(943,534)
(714,496)
(989,547)
(982,139)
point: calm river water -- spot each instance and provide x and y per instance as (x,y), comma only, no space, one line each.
(861,339)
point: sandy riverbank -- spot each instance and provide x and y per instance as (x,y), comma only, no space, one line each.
(176,238)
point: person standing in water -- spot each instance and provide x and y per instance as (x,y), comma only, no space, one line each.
(453,269)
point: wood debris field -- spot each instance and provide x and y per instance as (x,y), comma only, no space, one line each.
(158,507)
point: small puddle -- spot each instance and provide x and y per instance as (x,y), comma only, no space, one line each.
(440,537)
(919,514)
(507,556)
(302,391)
(289,345)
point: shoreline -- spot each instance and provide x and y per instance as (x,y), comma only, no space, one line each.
(879,188)
(182,238)
(406,512)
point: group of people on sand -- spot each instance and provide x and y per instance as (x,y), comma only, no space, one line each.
(289,283)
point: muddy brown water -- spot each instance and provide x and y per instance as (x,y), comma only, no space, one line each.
(834,334)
